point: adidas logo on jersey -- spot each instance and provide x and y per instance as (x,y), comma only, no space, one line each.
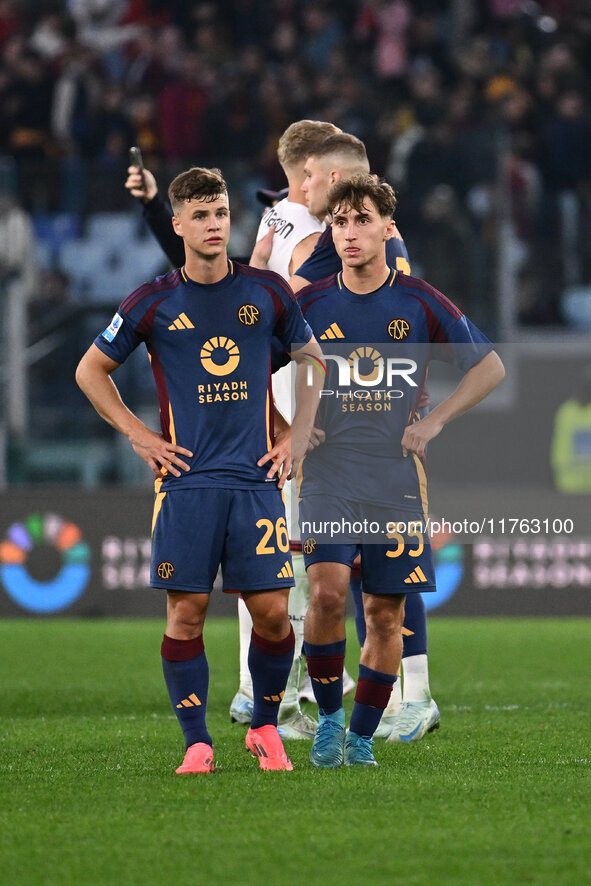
(181,322)
(191,702)
(333,331)
(286,572)
(416,577)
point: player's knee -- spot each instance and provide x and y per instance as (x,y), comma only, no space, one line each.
(186,614)
(327,600)
(273,625)
(270,618)
(384,616)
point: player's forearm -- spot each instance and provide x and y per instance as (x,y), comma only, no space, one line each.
(474,387)
(280,422)
(308,385)
(102,392)
(307,399)
(262,251)
(158,216)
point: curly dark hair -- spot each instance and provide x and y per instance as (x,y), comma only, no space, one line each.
(197,183)
(356,190)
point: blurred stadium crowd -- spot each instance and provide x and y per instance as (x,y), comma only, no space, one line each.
(478,114)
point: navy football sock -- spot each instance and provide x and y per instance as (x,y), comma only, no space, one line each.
(270,663)
(186,673)
(325,667)
(415,620)
(357,592)
(371,697)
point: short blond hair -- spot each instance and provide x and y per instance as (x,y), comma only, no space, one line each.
(346,149)
(301,139)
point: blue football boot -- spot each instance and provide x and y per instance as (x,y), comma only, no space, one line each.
(327,749)
(358,751)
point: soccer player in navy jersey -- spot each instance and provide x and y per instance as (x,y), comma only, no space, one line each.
(208,328)
(369,470)
(411,711)
(294,234)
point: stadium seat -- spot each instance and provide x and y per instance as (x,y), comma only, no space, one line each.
(149,259)
(111,260)
(114,230)
(84,262)
(45,255)
(576,306)
(52,231)
(122,272)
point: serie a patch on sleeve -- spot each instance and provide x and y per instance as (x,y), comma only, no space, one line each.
(113,328)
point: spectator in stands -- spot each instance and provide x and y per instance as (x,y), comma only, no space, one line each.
(18,276)
(10,20)
(436,88)
(27,103)
(448,233)
(100,27)
(182,106)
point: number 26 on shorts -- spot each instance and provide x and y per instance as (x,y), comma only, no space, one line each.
(277,529)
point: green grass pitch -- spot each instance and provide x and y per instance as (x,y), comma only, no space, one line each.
(88,747)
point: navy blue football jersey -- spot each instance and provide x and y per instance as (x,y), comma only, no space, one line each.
(377,348)
(210,351)
(324,261)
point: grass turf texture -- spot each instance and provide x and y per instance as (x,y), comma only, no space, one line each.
(88,747)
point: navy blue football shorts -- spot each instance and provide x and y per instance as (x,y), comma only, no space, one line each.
(197,530)
(400,564)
